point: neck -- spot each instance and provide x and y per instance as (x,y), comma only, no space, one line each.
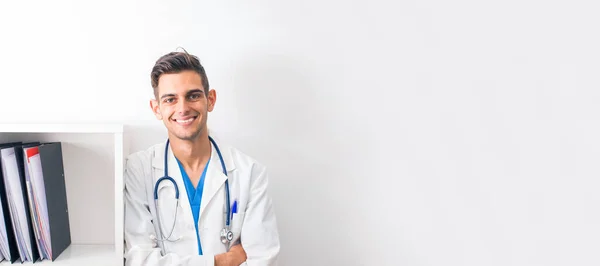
(193,154)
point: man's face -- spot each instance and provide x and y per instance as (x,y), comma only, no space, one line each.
(182,104)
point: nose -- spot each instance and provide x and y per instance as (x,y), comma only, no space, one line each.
(182,106)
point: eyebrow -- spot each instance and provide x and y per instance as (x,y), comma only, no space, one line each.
(167,95)
(194,91)
(188,93)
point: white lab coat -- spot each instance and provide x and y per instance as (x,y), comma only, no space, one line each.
(254,225)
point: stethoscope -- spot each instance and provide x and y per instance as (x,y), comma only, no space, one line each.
(226,234)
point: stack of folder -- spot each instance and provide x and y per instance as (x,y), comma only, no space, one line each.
(34,218)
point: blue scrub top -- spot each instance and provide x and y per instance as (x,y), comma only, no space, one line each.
(194,196)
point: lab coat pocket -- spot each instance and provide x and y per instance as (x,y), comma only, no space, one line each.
(236,225)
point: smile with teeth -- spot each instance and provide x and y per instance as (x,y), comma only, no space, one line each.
(185,121)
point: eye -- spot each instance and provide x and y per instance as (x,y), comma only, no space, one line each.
(195,96)
(169,100)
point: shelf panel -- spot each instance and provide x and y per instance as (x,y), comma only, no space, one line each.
(62,128)
(76,255)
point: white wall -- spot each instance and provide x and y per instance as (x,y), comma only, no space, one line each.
(438,133)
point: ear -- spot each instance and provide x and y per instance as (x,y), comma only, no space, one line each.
(212,99)
(155,109)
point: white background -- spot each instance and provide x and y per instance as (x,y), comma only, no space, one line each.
(438,133)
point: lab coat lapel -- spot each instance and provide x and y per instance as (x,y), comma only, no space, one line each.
(214,180)
(175,173)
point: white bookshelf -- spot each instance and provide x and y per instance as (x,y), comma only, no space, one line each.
(93,158)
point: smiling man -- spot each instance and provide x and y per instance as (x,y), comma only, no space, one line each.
(193,200)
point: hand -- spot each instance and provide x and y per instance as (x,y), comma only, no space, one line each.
(234,257)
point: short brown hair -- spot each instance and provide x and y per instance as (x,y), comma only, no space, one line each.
(175,62)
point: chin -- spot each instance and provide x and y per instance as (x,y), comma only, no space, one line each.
(187,134)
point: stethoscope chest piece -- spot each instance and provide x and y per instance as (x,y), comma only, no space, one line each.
(226,236)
